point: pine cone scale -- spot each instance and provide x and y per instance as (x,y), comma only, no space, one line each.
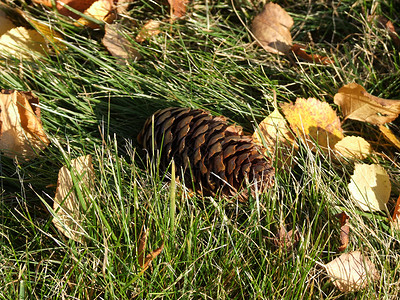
(210,152)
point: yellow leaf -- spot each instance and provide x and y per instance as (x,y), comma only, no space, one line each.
(390,136)
(357,104)
(101,10)
(67,207)
(370,187)
(21,131)
(354,147)
(271,29)
(311,118)
(274,131)
(22,43)
(118,45)
(351,272)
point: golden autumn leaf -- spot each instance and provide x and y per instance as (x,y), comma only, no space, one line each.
(353,147)
(271,29)
(118,45)
(21,132)
(357,104)
(390,136)
(22,43)
(351,271)
(68,210)
(101,10)
(314,121)
(370,187)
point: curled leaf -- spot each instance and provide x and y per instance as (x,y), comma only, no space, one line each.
(351,272)
(344,230)
(396,215)
(21,132)
(143,261)
(370,187)
(67,206)
(300,51)
(271,29)
(357,104)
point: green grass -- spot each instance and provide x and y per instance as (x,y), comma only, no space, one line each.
(213,248)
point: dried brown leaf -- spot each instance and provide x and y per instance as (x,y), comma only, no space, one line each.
(396,215)
(300,51)
(5,23)
(178,8)
(144,262)
(344,230)
(286,239)
(351,272)
(21,131)
(118,45)
(151,28)
(357,104)
(271,29)
(68,210)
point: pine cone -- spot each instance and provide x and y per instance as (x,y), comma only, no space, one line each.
(213,154)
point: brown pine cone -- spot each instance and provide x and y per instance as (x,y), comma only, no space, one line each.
(214,155)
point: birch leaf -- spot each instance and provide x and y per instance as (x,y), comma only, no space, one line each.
(370,187)
(67,207)
(21,131)
(350,272)
(354,147)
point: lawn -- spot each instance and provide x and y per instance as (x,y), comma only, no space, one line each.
(213,247)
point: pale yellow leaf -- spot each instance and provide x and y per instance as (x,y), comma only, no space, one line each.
(352,271)
(271,29)
(353,147)
(370,187)
(21,132)
(67,207)
(22,43)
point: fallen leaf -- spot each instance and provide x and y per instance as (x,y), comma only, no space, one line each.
(21,131)
(385,23)
(5,23)
(351,272)
(123,5)
(396,215)
(148,30)
(311,118)
(144,262)
(178,8)
(271,28)
(357,104)
(68,210)
(300,51)
(370,187)
(344,230)
(286,239)
(22,43)
(353,147)
(79,5)
(390,136)
(101,10)
(118,45)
